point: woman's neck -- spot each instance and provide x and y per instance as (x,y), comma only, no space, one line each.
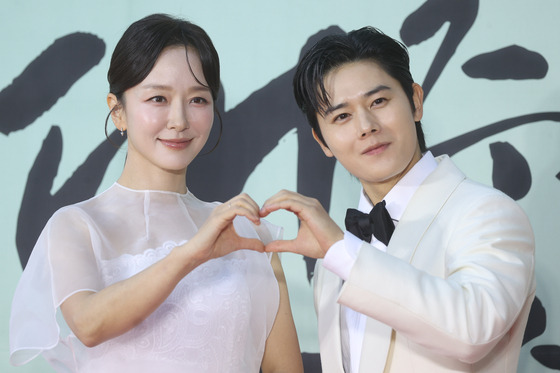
(170,181)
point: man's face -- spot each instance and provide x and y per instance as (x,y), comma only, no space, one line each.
(370,125)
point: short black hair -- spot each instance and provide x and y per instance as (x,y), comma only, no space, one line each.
(333,51)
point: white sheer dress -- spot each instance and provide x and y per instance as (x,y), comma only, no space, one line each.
(216,320)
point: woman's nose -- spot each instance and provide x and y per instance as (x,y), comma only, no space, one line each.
(178,119)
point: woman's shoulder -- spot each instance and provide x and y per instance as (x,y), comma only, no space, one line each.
(195,202)
(79,211)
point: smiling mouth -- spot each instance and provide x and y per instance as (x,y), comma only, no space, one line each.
(176,143)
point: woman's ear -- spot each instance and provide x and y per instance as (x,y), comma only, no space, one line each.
(325,148)
(117,113)
(418,99)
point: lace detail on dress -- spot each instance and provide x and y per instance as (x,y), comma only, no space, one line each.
(127,265)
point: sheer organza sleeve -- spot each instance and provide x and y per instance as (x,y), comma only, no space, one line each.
(62,263)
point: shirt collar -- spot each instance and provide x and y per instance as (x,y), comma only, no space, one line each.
(398,197)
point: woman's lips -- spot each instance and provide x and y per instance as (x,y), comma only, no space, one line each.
(176,143)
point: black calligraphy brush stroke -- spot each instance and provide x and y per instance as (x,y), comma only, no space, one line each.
(558,176)
(461,142)
(513,62)
(510,171)
(38,204)
(536,324)
(252,130)
(547,355)
(423,23)
(311,362)
(48,78)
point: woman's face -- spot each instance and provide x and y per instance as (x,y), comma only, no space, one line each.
(370,126)
(169,115)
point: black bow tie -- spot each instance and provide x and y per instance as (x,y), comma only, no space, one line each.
(378,222)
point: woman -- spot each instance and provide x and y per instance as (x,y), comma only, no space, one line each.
(147,277)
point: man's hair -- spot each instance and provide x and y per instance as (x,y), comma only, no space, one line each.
(333,51)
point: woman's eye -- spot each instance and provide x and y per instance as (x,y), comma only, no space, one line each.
(378,101)
(199,100)
(158,99)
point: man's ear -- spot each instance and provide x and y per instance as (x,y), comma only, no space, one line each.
(418,99)
(325,148)
(117,113)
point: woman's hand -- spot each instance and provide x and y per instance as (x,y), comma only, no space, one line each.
(217,236)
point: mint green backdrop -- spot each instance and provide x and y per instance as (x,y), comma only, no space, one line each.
(259,41)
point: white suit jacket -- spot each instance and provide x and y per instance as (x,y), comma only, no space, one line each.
(451,294)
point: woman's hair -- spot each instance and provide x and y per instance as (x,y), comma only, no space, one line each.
(141,45)
(333,51)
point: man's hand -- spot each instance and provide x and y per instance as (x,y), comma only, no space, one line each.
(317,231)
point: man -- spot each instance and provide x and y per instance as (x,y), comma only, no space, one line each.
(450,290)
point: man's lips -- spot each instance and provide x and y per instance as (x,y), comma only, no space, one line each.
(375,149)
(176,143)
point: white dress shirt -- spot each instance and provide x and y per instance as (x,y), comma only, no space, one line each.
(341,256)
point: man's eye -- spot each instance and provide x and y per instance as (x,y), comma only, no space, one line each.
(341,116)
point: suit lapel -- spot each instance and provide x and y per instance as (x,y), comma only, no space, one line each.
(377,340)
(416,220)
(423,208)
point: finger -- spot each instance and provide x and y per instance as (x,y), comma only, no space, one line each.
(281,200)
(250,244)
(295,205)
(281,195)
(229,210)
(249,201)
(245,206)
(280,246)
(245,200)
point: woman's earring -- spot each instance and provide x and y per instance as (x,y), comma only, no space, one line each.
(122,131)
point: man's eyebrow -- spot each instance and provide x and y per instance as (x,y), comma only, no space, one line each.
(330,109)
(377,89)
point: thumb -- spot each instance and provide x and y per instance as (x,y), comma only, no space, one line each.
(250,244)
(280,246)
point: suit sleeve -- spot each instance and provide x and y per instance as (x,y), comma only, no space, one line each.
(465,303)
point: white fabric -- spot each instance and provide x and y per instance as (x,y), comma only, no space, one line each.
(345,252)
(341,256)
(217,319)
(456,284)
